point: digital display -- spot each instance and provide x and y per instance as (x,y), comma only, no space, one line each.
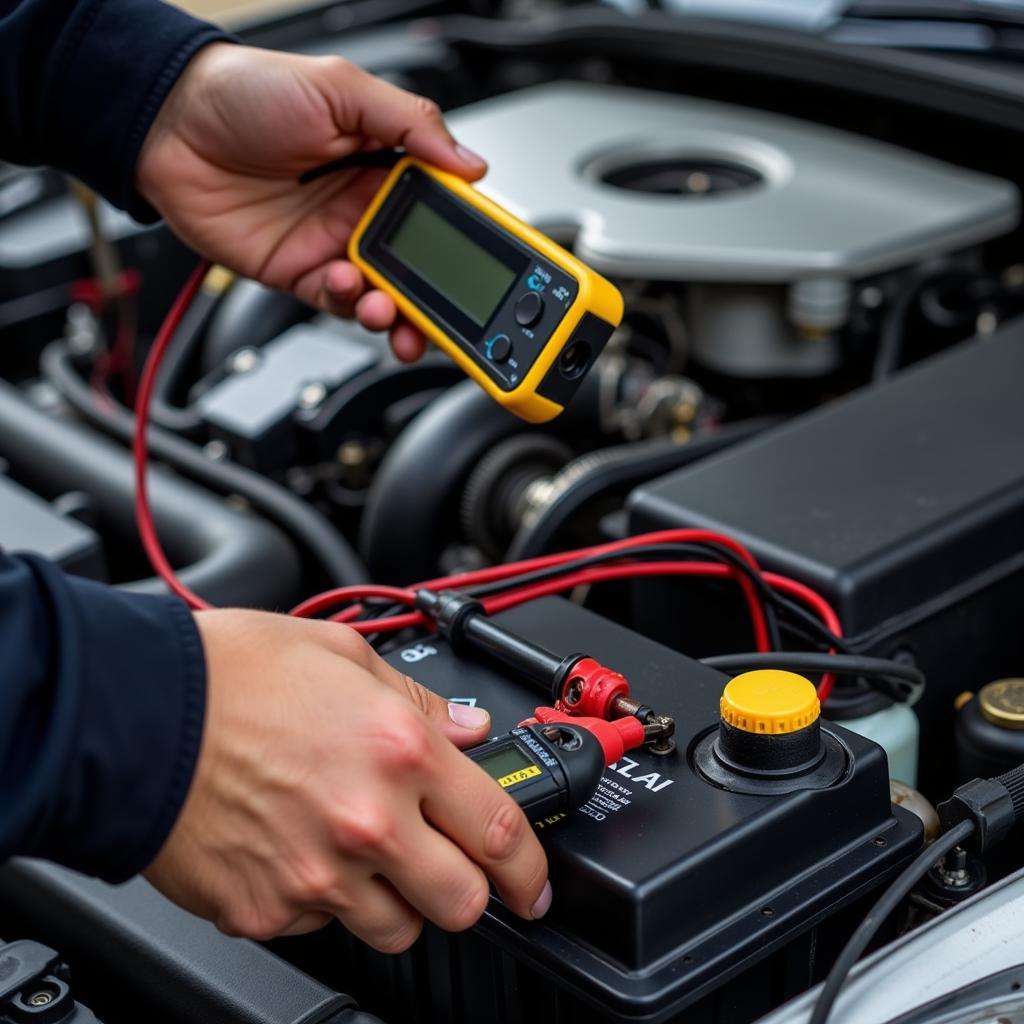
(465,273)
(507,761)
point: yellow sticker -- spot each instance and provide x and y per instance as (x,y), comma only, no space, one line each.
(520,776)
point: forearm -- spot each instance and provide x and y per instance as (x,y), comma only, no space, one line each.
(81,82)
(102,701)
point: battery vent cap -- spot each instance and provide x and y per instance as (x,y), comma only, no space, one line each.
(770,701)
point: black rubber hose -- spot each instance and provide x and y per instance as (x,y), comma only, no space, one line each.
(624,466)
(413,501)
(228,557)
(180,355)
(250,315)
(328,548)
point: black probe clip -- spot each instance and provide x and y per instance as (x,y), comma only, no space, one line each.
(577,685)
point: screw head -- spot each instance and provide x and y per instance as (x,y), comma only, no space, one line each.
(40,998)
(311,395)
(245,360)
(216,450)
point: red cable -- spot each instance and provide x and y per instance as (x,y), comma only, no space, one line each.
(501,572)
(515,596)
(143,513)
(320,602)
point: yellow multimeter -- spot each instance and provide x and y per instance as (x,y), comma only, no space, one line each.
(520,315)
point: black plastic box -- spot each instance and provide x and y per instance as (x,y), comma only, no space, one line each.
(28,523)
(903,504)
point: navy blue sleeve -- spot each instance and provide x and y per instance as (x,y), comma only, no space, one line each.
(82,80)
(102,698)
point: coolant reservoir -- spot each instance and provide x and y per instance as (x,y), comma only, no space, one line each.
(894,727)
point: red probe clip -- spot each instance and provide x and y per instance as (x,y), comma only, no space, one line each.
(591,689)
(615,737)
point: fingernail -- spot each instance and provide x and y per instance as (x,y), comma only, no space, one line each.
(543,904)
(467,717)
(467,156)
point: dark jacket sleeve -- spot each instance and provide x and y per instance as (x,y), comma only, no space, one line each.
(82,80)
(102,698)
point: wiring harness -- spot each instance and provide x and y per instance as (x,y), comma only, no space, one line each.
(774,601)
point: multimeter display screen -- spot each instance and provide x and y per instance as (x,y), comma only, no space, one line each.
(464,272)
(509,760)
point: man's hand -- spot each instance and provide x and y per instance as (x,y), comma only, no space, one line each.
(330,785)
(221,161)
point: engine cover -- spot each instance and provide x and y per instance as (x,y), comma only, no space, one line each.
(757,197)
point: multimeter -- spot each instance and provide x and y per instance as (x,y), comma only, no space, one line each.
(554,764)
(543,772)
(520,315)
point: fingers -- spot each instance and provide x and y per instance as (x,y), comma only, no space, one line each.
(310,921)
(339,288)
(394,117)
(463,725)
(376,311)
(406,342)
(485,822)
(382,918)
(437,878)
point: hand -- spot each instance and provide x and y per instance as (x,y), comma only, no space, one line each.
(222,157)
(330,785)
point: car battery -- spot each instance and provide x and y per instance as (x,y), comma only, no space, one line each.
(674,899)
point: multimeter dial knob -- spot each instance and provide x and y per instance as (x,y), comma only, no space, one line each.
(529,309)
(498,348)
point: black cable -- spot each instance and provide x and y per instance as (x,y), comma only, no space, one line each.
(898,890)
(909,679)
(768,595)
(322,540)
(185,420)
(386,158)
(721,554)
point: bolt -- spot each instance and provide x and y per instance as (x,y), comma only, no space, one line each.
(40,998)
(352,454)
(1013,276)
(245,360)
(312,395)
(216,451)
(871,297)
(986,323)
(574,691)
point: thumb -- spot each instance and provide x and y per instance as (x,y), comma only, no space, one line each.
(394,117)
(465,726)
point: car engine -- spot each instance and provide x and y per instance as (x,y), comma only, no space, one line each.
(820,358)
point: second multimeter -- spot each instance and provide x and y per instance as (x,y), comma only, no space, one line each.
(546,769)
(519,314)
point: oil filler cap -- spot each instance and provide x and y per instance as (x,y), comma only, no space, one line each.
(769,737)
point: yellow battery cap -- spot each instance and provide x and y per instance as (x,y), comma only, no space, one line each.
(770,701)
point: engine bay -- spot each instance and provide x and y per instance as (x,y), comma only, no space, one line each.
(820,358)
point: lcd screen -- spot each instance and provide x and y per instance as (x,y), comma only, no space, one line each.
(465,273)
(504,762)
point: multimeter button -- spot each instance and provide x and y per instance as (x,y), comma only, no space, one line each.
(499,348)
(529,309)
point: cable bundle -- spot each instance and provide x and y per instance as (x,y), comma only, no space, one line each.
(702,554)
